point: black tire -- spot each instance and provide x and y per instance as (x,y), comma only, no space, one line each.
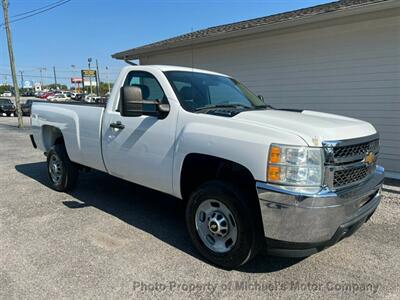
(248,240)
(68,171)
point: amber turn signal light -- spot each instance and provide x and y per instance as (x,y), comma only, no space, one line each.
(274,173)
(275,154)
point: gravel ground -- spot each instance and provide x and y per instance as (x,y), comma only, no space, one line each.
(113,239)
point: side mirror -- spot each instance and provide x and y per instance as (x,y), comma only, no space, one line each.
(261,98)
(132,104)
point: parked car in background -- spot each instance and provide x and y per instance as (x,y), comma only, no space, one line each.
(7,107)
(39,94)
(49,95)
(102,100)
(6,94)
(80,97)
(44,95)
(67,93)
(27,106)
(58,98)
(28,93)
(92,98)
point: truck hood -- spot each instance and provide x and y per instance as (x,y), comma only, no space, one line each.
(313,127)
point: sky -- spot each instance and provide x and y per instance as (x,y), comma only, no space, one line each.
(70,34)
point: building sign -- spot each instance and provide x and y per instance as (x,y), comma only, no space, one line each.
(88,73)
(38,86)
(88,82)
(27,84)
(76,80)
(89,77)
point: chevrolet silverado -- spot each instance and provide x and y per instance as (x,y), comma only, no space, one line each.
(251,176)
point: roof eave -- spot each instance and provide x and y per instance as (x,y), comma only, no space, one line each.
(136,53)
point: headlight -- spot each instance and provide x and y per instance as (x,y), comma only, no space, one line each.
(291,165)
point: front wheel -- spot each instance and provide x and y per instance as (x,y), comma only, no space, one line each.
(219,222)
(63,173)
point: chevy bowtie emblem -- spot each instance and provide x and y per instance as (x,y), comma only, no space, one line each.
(369,158)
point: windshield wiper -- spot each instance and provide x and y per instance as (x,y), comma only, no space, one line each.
(222,106)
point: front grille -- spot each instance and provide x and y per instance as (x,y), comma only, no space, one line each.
(355,150)
(347,161)
(349,176)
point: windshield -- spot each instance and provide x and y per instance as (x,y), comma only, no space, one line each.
(197,91)
(5,101)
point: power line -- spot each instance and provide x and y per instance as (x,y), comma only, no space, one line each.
(39,12)
(38,76)
(37,9)
(63,69)
(57,4)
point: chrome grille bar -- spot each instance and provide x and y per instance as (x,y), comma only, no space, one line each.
(346,151)
(345,162)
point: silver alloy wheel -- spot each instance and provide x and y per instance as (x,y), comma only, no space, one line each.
(56,168)
(216,226)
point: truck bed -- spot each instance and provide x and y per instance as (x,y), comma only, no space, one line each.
(80,125)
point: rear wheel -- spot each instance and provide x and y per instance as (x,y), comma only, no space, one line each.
(63,173)
(220,224)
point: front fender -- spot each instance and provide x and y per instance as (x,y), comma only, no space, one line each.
(224,138)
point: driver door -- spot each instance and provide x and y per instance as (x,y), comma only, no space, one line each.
(141,149)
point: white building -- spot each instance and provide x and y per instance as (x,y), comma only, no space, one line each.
(341,57)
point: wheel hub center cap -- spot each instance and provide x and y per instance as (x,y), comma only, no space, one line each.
(218,224)
(213,226)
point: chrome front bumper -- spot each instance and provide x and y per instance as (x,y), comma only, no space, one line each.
(320,218)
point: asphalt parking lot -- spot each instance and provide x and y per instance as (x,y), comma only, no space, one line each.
(111,239)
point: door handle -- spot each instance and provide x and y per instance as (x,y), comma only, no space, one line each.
(117,125)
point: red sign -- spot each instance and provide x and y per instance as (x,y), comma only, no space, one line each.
(76,80)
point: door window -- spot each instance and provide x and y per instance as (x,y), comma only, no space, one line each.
(151,89)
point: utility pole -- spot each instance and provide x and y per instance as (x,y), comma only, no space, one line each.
(108,81)
(55,77)
(12,63)
(22,78)
(90,77)
(41,76)
(97,79)
(77,90)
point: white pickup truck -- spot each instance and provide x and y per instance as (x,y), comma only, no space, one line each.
(251,175)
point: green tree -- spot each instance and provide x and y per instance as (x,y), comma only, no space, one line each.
(55,87)
(6,88)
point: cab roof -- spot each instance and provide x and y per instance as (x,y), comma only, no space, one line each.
(165,68)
